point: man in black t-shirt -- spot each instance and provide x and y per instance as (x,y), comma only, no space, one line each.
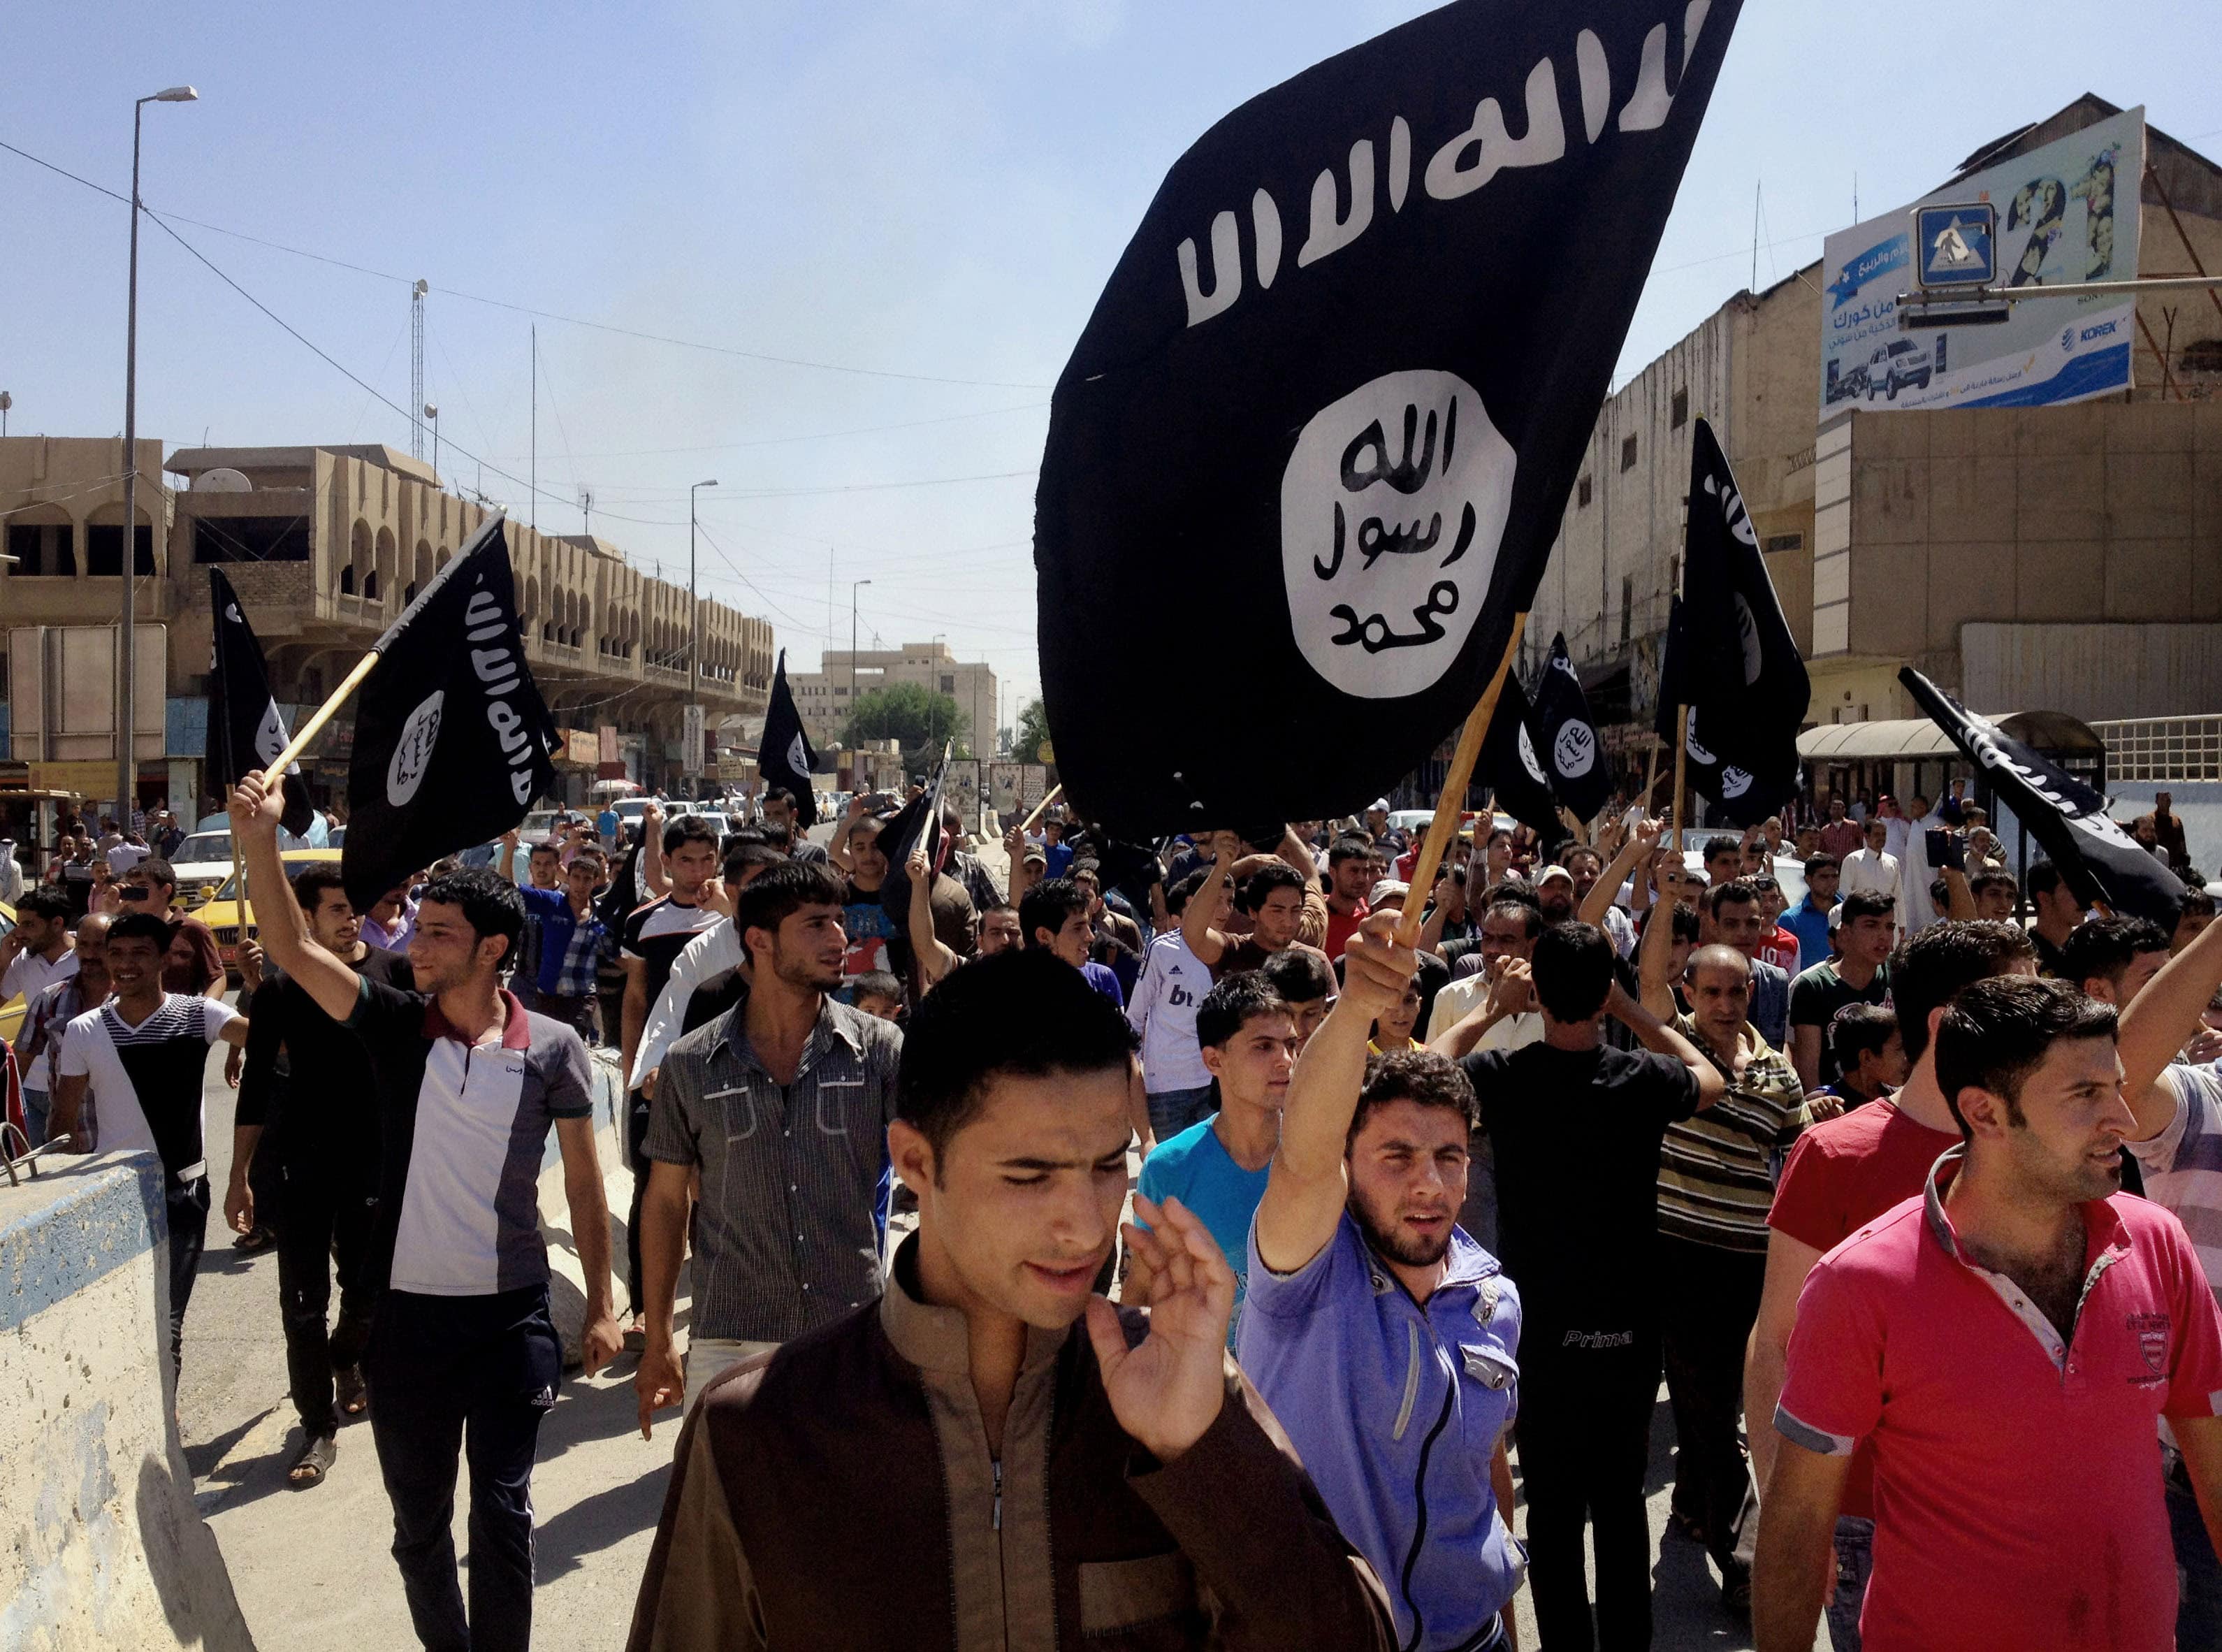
(1590,1351)
(325,1148)
(1860,974)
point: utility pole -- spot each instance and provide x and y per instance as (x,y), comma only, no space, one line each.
(534,508)
(694,639)
(127,763)
(416,366)
(855,587)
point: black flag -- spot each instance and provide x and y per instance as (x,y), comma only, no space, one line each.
(245,729)
(452,739)
(784,755)
(1565,737)
(917,820)
(1746,796)
(1339,386)
(2102,862)
(1509,765)
(1737,666)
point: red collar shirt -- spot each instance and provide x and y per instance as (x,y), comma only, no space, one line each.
(2017,1476)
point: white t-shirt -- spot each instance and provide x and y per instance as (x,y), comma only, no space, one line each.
(1167,993)
(31,974)
(1866,870)
(124,856)
(2182,1164)
(1461,997)
(144,1089)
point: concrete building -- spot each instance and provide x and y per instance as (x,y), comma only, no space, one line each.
(2066,559)
(824,696)
(326,546)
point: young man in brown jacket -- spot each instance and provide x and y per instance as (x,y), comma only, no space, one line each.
(962,1465)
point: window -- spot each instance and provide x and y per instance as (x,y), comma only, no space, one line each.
(103,550)
(250,539)
(1628,453)
(1627,603)
(347,583)
(1581,493)
(42,548)
(949,684)
(1784,542)
(1680,415)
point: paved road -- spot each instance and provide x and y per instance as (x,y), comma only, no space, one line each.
(311,1568)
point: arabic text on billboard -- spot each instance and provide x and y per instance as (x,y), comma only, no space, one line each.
(2065,212)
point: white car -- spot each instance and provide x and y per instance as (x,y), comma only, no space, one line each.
(203,861)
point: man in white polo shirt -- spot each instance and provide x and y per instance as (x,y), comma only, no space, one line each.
(468,1084)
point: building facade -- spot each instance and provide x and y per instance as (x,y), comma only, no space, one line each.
(326,546)
(824,696)
(2062,558)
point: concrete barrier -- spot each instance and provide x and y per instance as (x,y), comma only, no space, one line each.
(100,1545)
(567,1297)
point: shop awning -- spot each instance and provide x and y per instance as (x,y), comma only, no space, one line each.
(1911,738)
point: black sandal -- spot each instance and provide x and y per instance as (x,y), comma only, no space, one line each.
(315,1461)
(354,1391)
(257,1238)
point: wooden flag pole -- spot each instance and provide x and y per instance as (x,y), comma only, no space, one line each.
(1450,804)
(1042,808)
(1681,768)
(1651,777)
(308,731)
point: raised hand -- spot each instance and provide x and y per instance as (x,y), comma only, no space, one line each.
(255,810)
(1512,991)
(1375,970)
(1166,1391)
(1648,832)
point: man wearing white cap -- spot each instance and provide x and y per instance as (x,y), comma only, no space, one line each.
(1390,842)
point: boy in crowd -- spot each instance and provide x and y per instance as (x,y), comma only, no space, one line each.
(1304,982)
(1869,1057)
(879,995)
(1858,974)
(1009,1463)
(1217,1168)
(1163,1011)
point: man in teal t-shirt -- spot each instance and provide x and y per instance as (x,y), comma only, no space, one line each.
(1248,1038)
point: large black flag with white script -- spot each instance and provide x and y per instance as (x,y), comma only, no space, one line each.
(1510,767)
(452,739)
(1746,795)
(784,755)
(246,730)
(2102,862)
(1334,398)
(1738,667)
(1565,737)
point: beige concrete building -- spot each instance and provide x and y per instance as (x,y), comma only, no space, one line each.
(2058,558)
(326,546)
(825,696)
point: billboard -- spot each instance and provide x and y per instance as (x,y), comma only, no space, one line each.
(2065,212)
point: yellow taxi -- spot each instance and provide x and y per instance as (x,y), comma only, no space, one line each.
(11,1013)
(221,912)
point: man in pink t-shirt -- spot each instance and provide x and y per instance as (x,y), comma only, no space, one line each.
(2004,1345)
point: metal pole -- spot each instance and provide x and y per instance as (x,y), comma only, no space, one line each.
(534,485)
(126,711)
(854,585)
(693,630)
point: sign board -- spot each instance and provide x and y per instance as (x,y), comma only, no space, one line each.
(580,747)
(2065,211)
(690,740)
(61,692)
(86,779)
(1955,245)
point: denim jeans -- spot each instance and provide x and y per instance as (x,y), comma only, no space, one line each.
(1854,1565)
(1172,1111)
(2199,1574)
(35,1115)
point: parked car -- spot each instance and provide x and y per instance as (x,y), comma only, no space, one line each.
(202,861)
(222,913)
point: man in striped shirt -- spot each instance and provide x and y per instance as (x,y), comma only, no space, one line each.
(1716,1184)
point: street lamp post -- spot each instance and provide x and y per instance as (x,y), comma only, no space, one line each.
(854,585)
(126,765)
(693,636)
(432,417)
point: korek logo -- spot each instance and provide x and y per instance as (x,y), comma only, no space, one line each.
(1392,507)
(413,752)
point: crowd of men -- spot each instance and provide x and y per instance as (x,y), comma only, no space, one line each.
(1434,1181)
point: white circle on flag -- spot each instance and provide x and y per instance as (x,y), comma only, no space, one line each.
(1734,782)
(1528,757)
(795,759)
(1393,505)
(1574,750)
(413,752)
(1748,634)
(1690,740)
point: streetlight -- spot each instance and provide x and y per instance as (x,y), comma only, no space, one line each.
(432,417)
(126,713)
(694,637)
(939,639)
(855,587)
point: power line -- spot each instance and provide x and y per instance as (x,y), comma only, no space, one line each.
(550,315)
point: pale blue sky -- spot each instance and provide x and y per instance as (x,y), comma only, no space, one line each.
(927,187)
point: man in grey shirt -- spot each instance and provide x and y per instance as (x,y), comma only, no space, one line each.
(782,1105)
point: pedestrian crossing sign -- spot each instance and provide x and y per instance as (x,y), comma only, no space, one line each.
(1956,245)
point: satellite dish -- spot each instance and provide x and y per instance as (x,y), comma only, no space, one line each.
(221,481)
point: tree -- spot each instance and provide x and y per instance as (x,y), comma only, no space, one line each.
(919,719)
(1033,729)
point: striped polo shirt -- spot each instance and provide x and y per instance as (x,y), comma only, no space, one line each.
(465,1128)
(1716,1168)
(2183,1164)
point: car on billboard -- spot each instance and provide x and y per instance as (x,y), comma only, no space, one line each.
(1894,365)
